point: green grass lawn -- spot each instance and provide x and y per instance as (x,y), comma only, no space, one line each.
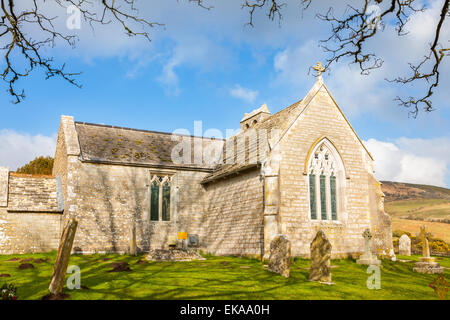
(218,278)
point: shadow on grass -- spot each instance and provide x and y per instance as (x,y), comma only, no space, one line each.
(216,278)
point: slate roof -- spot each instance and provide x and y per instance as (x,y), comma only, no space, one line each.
(125,146)
(279,120)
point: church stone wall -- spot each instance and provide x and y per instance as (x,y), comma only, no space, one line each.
(235,215)
(110,200)
(323,119)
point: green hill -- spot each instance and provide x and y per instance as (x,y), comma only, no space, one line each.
(416,201)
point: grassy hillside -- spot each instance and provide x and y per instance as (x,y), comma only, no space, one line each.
(407,191)
(413,205)
(417,202)
(439,230)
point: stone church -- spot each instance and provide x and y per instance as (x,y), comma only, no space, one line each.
(293,172)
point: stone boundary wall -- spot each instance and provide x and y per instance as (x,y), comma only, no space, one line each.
(30,218)
(26,232)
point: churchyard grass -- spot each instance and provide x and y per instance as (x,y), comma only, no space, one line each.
(218,278)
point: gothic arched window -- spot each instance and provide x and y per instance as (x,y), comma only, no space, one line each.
(325,175)
(160,198)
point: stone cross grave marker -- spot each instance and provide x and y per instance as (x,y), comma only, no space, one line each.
(426,264)
(62,259)
(368,258)
(423,235)
(320,259)
(280,255)
(404,245)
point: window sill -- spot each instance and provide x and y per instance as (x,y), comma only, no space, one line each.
(327,222)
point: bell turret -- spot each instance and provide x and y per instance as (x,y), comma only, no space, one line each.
(254,117)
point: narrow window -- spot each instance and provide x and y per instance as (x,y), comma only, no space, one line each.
(154,202)
(323,201)
(312,195)
(166,202)
(324,193)
(333,197)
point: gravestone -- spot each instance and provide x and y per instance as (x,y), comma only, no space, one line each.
(404,245)
(280,255)
(193,240)
(320,269)
(133,246)
(62,259)
(172,241)
(368,258)
(426,263)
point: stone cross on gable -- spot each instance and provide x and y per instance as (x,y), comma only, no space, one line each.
(319,70)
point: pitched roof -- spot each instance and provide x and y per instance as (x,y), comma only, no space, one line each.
(281,120)
(256,149)
(125,146)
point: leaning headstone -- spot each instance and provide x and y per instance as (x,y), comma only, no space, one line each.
(426,263)
(62,259)
(280,255)
(320,269)
(404,245)
(368,258)
(133,247)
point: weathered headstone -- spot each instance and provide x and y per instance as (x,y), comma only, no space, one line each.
(320,269)
(62,259)
(368,258)
(280,255)
(426,263)
(404,245)
(193,240)
(172,241)
(133,247)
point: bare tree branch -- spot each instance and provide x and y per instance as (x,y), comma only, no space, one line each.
(436,55)
(351,34)
(18,46)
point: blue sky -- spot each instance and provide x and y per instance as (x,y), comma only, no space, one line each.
(207,65)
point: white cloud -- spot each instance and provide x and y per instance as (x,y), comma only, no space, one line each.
(244,93)
(424,161)
(292,64)
(18,149)
(197,53)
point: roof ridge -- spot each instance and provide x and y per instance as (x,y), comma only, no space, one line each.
(143,130)
(282,110)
